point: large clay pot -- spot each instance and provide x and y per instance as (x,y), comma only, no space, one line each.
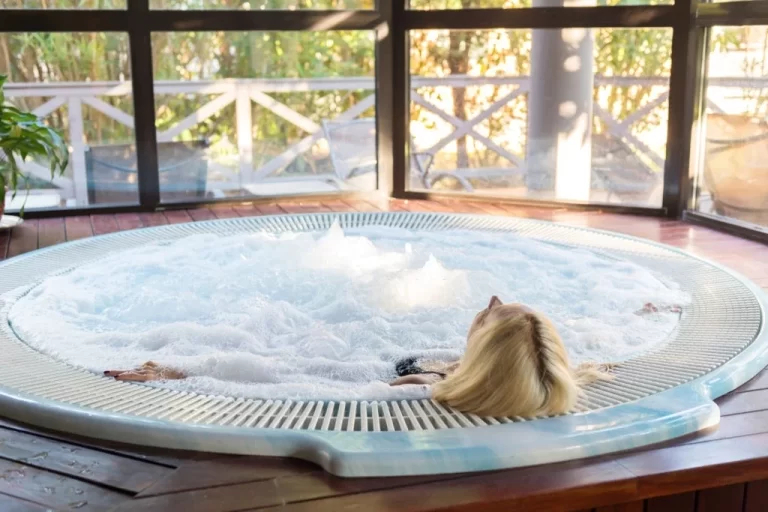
(736,166)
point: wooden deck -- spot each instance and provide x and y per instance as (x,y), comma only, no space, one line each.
(721,470)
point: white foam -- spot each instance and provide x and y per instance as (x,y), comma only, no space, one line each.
(326,315)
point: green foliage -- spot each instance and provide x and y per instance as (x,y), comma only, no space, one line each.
(22,136)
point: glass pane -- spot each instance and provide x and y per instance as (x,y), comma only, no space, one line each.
(78,83)
(62,4)
(733,178)
(511,4)
(264,113)
(572,114)
(258,5)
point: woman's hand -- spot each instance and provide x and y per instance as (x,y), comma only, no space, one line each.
(425,379)
(652,308)
(146,372)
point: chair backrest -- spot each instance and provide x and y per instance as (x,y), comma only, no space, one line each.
(113,178)
(352,146)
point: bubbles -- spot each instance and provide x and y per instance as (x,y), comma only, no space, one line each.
(326,315)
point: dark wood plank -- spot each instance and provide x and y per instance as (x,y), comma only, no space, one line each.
(224,212)
(108,469)
(634,506)
(128,221)
(416,206)
(759,382)
(23,238)
(250,210)
(177,216)
(685,502)
(266,209)
(55,491)
(739,403)
(216,499)
(362,206)
(11,504)
(688,467)
(756,497)
(153,219)
(733,426)
(78,227)
(104,224)
(721,499)
(169,458)
(541,488)
(201,214)
(227,470)
(337,206)
(50,232)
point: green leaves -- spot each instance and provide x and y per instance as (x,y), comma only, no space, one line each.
(24,136)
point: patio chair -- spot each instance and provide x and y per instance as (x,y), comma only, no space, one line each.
(352,146)
(113,178)
(618,170)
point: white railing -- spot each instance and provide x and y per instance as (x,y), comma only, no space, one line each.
(244,92)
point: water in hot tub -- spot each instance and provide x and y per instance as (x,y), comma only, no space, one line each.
(326,315)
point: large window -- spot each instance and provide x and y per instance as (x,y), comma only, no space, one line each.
(80,84)
(264,113)
(576,114)
(733,172)
(261,4)
(62,4)
(511,4)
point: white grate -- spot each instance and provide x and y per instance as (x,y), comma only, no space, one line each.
(723,319)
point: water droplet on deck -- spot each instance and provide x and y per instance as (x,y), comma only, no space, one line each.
(78,491)
(78,504)
(49,490)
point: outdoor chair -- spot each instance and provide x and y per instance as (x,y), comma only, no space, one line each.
(113,178)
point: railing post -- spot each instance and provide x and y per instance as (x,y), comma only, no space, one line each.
(76,138)
(244,132)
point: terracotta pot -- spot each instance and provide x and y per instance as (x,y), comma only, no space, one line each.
(736,166)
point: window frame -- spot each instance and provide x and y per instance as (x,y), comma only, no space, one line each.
(392,21)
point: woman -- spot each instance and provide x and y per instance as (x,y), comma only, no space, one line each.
(515,365)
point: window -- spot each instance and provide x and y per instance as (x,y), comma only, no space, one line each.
(80,84)
(511,4)
(733,172)
(264,113)
(573,114)
(62,4)
(256,5)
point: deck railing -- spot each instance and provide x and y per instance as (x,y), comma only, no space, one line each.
(245,92)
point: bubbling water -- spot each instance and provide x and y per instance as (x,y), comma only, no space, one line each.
(327,315)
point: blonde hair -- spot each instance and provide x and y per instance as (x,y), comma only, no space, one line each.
(517,366)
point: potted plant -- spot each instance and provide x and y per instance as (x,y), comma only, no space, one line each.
(23,135)
(736,167)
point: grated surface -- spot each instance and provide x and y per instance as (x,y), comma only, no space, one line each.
(724,318)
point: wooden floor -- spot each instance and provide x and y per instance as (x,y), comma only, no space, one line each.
(722,470)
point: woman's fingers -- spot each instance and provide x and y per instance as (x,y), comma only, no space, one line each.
(114,373)
(138,376)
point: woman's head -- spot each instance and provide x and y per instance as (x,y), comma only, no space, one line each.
(515,365)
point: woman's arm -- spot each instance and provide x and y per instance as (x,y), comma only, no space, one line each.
(146,372)
(420,379)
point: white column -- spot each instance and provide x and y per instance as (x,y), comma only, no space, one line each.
(77,158)
(560,110)
(244,133)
